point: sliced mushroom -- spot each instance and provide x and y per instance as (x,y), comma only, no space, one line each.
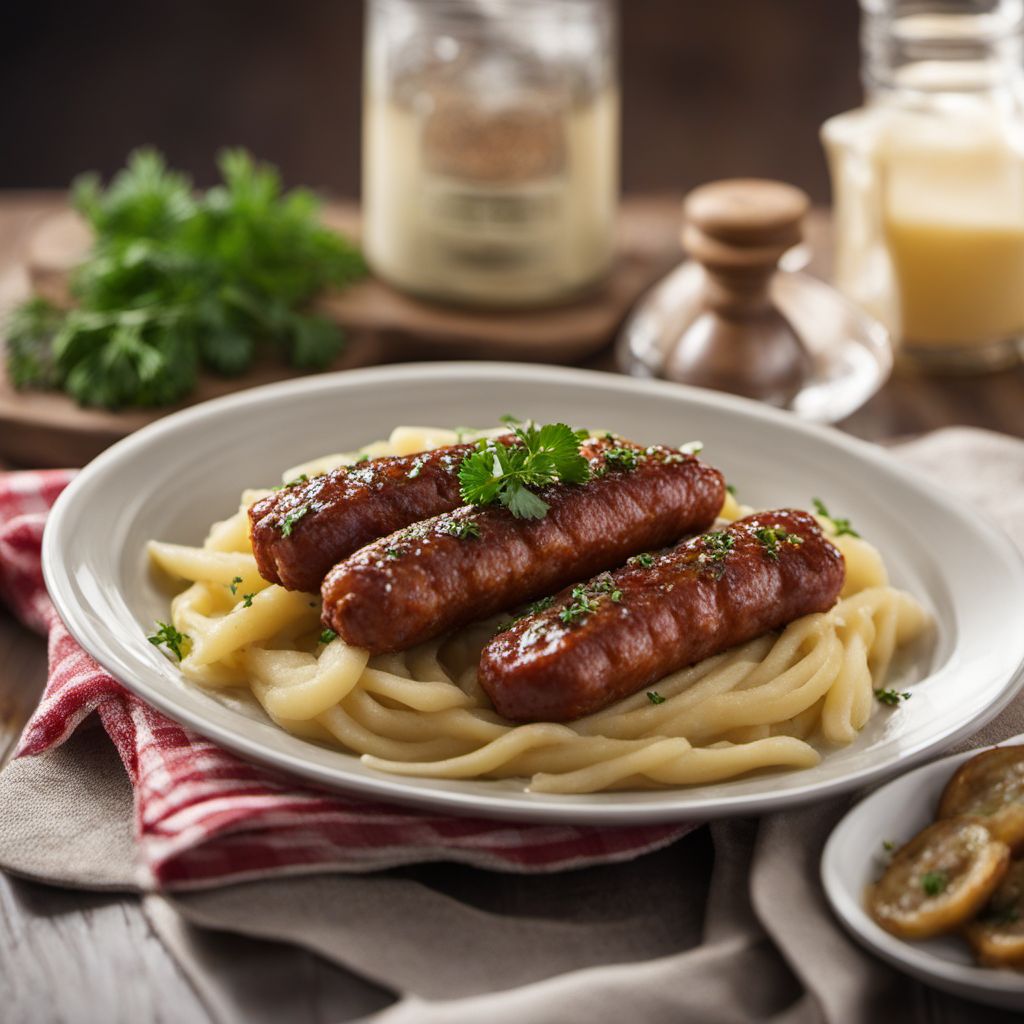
(998,934)
(991,787)
(939,880)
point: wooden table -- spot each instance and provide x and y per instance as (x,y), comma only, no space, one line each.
(84,957)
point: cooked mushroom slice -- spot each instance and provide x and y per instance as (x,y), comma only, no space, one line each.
(998,934)
(991,787)
(939,880)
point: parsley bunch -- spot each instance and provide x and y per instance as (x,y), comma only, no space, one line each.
(499,473)
(177,280)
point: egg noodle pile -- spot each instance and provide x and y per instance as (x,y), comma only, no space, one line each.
(773,702)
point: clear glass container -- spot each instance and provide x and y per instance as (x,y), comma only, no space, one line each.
(490,147)
(928,180)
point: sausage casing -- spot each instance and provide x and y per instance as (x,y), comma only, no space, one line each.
(625,630)
(466,565)
(301,531)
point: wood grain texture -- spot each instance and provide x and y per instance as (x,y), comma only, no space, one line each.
(82,958)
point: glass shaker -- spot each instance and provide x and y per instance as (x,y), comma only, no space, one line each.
(490,147)
(928,180)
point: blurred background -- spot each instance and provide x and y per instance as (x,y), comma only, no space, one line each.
(733,87)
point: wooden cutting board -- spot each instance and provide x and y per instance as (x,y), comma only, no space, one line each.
(383,325)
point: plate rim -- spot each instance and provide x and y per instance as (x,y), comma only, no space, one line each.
(907,956)
(501,804)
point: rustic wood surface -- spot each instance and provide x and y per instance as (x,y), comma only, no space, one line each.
(68,956)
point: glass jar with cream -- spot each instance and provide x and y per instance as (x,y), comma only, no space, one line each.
(928,180)
(490,147)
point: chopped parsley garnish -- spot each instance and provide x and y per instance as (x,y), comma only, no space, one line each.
(289,521)
(888,845)
(717,544)
(512,421)
(179,644)
(934,882)
(891,697)
(327,635)
(731,488)
(505,474)
(362,458)
(645,561)
(623,458)
(772,536)
(692,447)
(540,605)
(654,697)
(233,585)
(841,525)
(393,553)
(587,596)
(247,600)
(580,606)
(464,529)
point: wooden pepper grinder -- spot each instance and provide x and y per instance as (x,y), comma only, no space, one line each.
(715,320)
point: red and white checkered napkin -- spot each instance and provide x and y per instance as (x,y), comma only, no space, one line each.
(203,816)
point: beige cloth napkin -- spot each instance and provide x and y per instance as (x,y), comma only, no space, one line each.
(729,924)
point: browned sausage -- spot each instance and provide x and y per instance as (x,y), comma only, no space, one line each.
(468,564)
(299,532)
(624,630)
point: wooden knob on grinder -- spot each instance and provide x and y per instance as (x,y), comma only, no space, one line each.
(738,229)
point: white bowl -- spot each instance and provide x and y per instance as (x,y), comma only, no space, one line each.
(173,478)
(850,863)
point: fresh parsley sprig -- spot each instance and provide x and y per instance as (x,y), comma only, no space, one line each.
(179,644)
(506,474)
(177,280)
(841,526)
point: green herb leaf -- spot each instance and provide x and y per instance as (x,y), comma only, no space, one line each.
(545,455)
(654,697)
(247,600)
(464,529)
(233,585)
(645,560)
(772,536)
(327,635)
(891,697)
(623,458)
(292,517)
(841,526)
(934,882)
(177,280)
(717,544)
(179,644)
(531,609)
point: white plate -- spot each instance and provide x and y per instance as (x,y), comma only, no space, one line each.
(850,863)
(173,478)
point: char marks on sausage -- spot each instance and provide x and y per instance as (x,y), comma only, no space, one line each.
(468,564)
(627,629)
(301,531)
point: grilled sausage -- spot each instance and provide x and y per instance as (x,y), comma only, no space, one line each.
(299,532)
(615,635)
(468,564)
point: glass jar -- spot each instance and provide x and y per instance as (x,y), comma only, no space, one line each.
(928,180)
(490,147)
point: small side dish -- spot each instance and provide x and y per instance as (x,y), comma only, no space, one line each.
(960,875)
